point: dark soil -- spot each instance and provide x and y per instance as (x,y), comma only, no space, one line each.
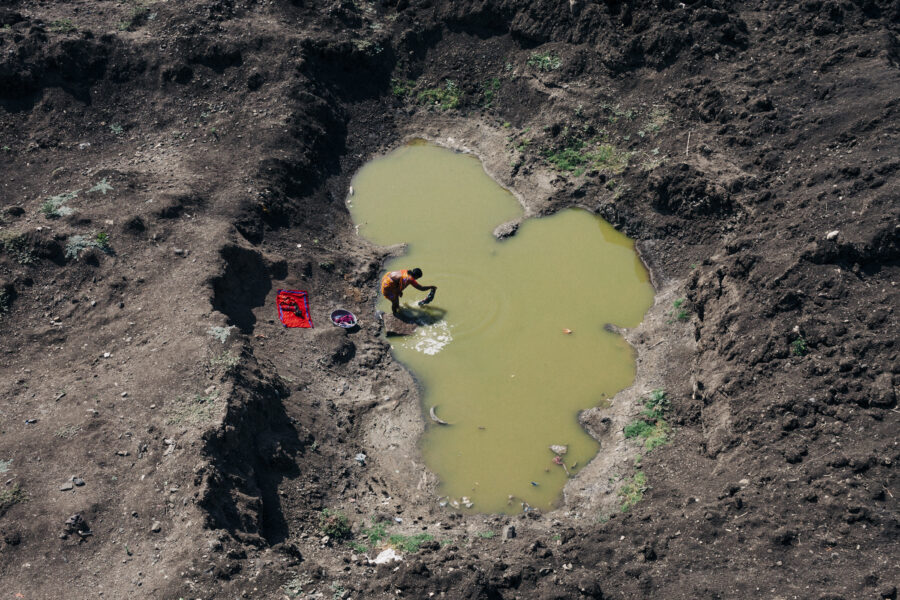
(762,181)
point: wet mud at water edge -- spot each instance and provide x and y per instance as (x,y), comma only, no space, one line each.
(514,345)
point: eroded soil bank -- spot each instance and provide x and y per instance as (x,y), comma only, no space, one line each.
(147,388)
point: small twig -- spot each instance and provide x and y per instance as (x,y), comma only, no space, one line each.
(688,145)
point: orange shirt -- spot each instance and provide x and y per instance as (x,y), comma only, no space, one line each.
(394,282)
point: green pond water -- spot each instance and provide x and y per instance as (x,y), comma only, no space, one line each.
(492,355)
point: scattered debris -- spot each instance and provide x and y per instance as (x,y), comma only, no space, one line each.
(76,524)
(361,459)
(435,418)
(559,449)
(388,555)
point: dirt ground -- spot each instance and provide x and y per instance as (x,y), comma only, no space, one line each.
(166,167)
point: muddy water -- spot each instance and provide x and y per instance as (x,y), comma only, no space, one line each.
(493,356)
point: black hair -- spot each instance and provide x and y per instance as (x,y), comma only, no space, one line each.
(417,272)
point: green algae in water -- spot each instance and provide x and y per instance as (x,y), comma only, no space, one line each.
(495,360)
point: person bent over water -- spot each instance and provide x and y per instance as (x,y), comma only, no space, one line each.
(394,282)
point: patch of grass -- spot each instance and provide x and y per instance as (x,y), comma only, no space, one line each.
(194,411)
(334,524)
(578,156)
(652,426)
(486,534)
(377,535)
(16,245)
(55,206)
(116,128)
(409,543)
(678,313)
(799,347)
(402,88)
(62,26)
(489,91)
(638,428)
(632,491)
(4,465)
(446,98)
(656,405)
(544,61)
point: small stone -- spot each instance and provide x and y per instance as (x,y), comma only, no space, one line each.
(178,251)
(744,482)
(78,481)
(122,453)
(106,354)
(832,234)
(66,486)
(509,532)
(156,527)
(124,394)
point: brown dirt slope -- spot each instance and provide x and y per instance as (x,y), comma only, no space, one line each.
(167,166)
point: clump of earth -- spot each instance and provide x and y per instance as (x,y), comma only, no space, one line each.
(168,167)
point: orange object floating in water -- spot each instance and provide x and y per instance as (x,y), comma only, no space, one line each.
(567,331)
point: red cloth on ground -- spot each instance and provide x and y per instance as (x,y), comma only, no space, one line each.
(290,303)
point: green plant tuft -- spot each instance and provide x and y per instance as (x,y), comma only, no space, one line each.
(62,26)
(102,187)
(334,524)
(638,429)
(652,426)
(489,91)
(55,206)
(799,347)
(16,246)
(578,156)
(402,87)
(544,61)
(409,544)
(632,491)
(446,98)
